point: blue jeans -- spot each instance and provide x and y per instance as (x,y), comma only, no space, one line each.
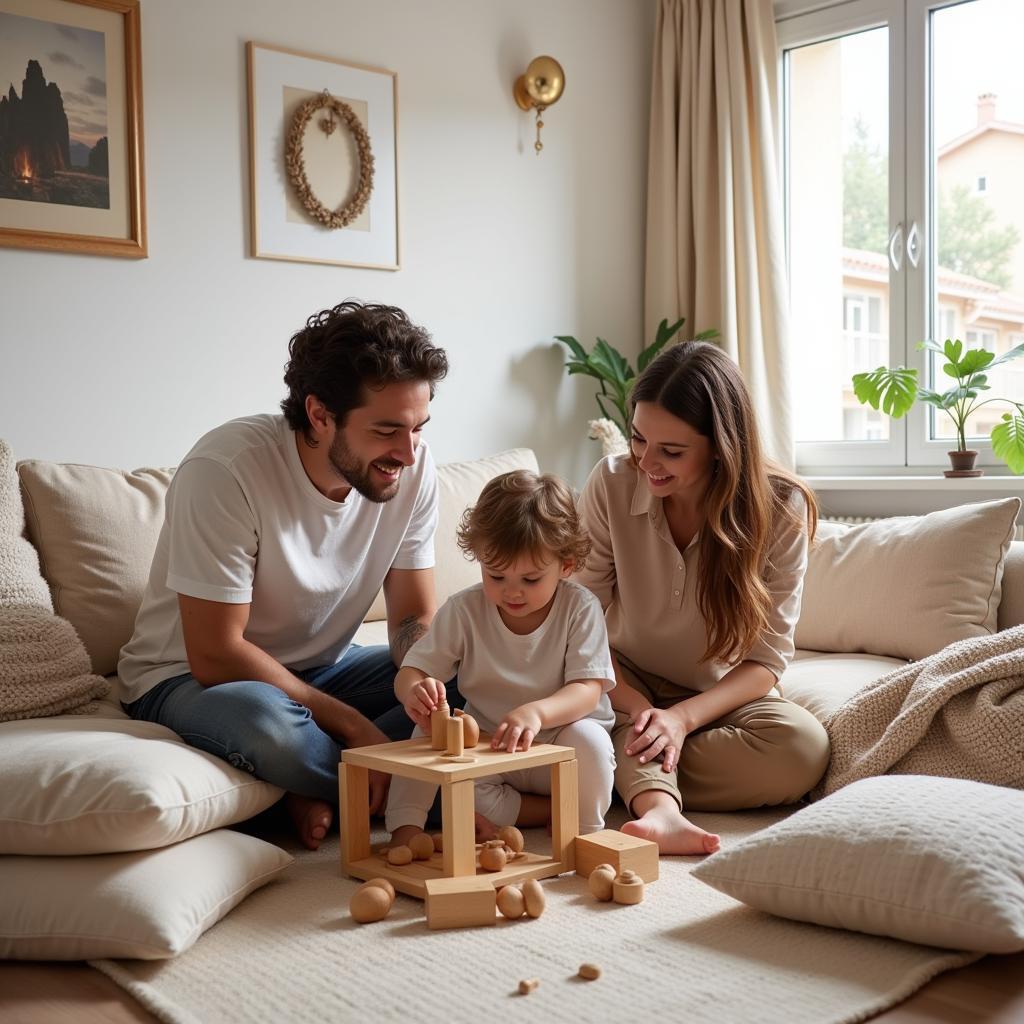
(258,728)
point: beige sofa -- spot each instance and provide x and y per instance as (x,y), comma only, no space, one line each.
(84,789)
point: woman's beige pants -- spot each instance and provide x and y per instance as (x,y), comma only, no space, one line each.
(770,751)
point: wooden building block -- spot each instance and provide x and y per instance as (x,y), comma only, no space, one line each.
(465,902)
(623,852)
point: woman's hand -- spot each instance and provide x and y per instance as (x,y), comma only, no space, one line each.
(659,732)
(520,725)
(421,699)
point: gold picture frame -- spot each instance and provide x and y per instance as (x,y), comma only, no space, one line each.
(283,221)
(71,158)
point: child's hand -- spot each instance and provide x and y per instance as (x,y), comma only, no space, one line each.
(520,725)
(422,698)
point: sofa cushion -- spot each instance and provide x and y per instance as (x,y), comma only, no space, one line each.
(95,530)
(908,586)
(1011,603)
(822,683)
(145,905)
(21,584)
(925,859)
(459,485)
(79,785)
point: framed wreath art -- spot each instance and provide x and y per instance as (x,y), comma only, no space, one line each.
(323,137)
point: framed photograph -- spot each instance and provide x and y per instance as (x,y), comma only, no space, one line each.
(323,145)
(71,170)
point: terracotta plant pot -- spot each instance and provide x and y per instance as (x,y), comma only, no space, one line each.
(963,463)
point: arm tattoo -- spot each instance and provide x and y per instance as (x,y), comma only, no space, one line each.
(410,629)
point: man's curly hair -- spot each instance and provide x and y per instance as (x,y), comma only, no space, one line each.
(342,351)
(522,513)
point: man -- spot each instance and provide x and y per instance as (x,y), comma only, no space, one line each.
(279,532)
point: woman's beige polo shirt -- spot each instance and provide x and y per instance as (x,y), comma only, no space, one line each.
(648,588)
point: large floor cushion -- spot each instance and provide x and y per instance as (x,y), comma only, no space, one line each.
(90,785)
(822,683)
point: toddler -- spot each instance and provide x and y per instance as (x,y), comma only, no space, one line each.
(531,653)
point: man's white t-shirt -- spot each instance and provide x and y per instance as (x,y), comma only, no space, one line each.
(245,525)
(499,670)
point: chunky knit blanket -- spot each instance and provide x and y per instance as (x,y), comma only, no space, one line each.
(958,713)
(44,667)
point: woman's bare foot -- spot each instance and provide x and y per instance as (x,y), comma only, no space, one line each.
(402,835)
(660,821)
(312,818)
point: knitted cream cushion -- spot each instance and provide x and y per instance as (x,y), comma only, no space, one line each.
(145,905)
(908,586)
(20,581)
(930,860)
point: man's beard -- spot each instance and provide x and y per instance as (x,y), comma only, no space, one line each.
(360,476)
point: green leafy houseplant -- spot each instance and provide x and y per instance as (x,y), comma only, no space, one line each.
(896,390)
(607,365)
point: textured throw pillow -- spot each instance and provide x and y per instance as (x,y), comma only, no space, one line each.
(44,669)
(907,587)
(459,485)
(98,785)
(929,860)
(95,530)
(145,905)
(21,584)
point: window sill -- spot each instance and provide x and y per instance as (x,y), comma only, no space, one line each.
(941,484)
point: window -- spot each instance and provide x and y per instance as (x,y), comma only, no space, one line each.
(900,119)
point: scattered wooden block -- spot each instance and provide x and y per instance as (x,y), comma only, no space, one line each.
(463,902)
(623,852)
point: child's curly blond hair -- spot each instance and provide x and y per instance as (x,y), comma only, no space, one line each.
(524,513)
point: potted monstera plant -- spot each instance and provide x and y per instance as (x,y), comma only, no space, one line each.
(894,391)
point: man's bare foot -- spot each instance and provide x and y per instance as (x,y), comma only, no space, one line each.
(402,835)
(661,821)
(312,818)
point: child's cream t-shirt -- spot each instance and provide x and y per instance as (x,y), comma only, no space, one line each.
(499,670)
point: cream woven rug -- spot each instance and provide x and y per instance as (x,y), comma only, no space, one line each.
(290,953)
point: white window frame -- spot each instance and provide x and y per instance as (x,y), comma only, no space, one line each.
(912,204)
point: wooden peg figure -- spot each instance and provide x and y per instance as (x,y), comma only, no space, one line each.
(454,735)
(439,726)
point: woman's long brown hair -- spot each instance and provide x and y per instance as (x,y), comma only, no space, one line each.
(748,495)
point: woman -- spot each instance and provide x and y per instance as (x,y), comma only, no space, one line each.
(698,558)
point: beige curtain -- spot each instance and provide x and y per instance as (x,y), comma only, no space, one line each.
(715,244)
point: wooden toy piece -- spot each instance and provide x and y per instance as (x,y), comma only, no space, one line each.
(454,733)
(623,852)
(369,903)
(533,897)
(512,838)
(511,902)
(439,726)
(493,858)
(470,729)
(399,855)
(601,880)
(438,839)
(527,985)
(628,888)
(464,902)
(589,972)
(422,846)
(384,884)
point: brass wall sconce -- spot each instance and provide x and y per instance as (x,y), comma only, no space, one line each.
(542,85)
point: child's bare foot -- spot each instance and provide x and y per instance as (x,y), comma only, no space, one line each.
(402,835)
(312,818)
(484,828)
(661,822)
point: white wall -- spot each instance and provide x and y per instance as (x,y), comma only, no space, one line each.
(126,363)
